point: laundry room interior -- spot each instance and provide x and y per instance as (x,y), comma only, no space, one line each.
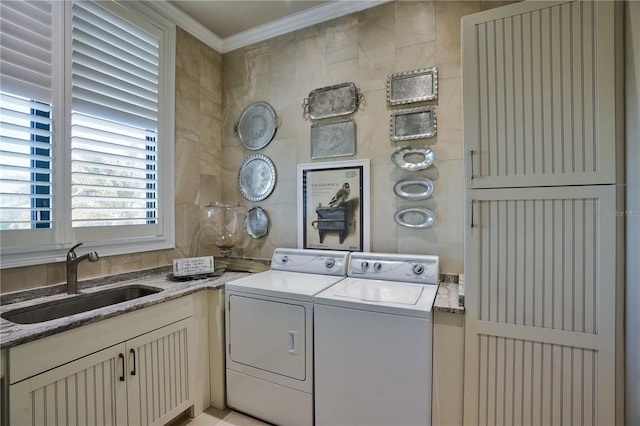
(528,139)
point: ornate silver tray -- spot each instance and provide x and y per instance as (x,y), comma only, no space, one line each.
(412,86)
(414,217)
(257,177)
(333,139)
(413,123)
(414,158)
(332,101)
(417,188)
(256,126)
(257,222)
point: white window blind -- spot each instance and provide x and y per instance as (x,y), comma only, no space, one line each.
(115,77)
(25,115)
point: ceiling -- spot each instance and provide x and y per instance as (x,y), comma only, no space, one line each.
(226,18)
(227,25)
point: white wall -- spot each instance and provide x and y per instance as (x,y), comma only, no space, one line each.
(632,90)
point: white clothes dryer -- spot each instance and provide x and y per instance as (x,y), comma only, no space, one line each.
(269,334)
(372,342)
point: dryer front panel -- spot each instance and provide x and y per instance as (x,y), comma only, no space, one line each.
(268,335)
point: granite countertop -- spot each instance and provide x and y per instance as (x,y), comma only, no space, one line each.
(12,334)
(448,298)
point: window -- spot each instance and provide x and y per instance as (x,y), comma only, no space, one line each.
(86,138)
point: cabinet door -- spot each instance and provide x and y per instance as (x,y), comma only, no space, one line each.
(540,327)
(88,391)
(542,93)
(158,374)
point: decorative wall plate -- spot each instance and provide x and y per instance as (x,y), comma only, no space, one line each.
(417,188)
(333,139)
(257,126)
(412,86)
(257,222)
(414,158)
(414,217)
(332,101)
(257,177)
(413,123)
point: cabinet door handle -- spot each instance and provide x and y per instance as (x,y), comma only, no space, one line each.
(473,205)
(133,352)
(471,154)
(121,356)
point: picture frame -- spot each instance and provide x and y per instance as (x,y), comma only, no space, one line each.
(334,205)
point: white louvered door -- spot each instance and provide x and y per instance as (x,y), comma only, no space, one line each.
(84,392)
(541,106)
(538,95)
(144,381)
(541,322)
(158,374)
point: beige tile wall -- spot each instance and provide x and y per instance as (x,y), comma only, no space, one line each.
(363,48)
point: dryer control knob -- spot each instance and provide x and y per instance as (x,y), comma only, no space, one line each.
(377,266)
(418,269)
(285,259)
(364,265)
(330,263)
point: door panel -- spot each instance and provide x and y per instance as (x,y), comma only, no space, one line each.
(268,335)
(539,95)
(540,307)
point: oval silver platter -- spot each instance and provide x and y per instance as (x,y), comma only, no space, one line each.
(417,188)
(414,158)
(414,217)
(257,222)
(257,177)
(256,126)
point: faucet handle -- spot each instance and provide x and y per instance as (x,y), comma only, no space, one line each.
(71,253)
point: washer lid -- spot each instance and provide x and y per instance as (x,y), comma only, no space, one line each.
(407,299)
(381,292)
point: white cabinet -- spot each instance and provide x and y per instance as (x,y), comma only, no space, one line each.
(543,242)
(540,87)
(143,380)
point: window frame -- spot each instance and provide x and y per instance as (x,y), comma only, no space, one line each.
(41,246)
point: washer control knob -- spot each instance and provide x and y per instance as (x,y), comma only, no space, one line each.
(364,265)
(330,263)
(418,269)
(377,266)
(285,259)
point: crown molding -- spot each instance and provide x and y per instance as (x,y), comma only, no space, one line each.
(187,23)
(306,18)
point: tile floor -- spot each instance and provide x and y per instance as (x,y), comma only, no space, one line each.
(213,417)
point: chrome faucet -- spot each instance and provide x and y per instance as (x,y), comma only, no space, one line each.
(72,267)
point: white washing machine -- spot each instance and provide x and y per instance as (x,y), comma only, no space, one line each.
(269,334)
(372,345)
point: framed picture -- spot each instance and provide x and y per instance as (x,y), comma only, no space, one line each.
(333,205)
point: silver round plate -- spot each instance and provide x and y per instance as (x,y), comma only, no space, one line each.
(414,217)
(417,188)
(257,222)
(414,158)
(257,177)
(256,126)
